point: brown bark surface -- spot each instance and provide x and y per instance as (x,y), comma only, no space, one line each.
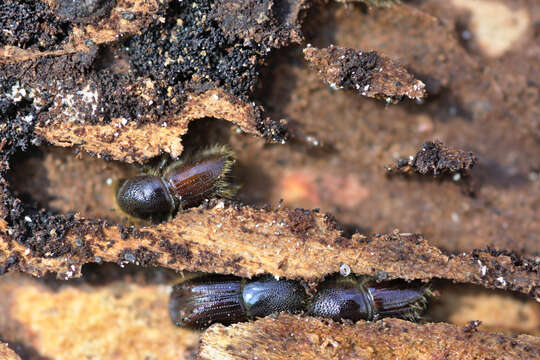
(122,82)
(371,74)
(134,142)
(244,241)
(119,320)
(8,354)
(311,338)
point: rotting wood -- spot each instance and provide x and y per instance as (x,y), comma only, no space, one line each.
(102,321)
(84,36)
(490,268)
(7,354)
(244,241)
(311,338)
(133,142)
(436,159)
(371,74)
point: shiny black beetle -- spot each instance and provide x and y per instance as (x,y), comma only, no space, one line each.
(183,184)
(203,301)
(228,299)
